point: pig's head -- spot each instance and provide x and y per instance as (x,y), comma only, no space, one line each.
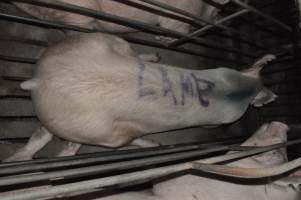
(264,96)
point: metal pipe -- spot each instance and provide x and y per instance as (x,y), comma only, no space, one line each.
(187,14)
(258,12)
(208,27)
(99,184)
(42,23)
(15,78)
(24,40)
(130,23)
(129,39)
(106,168)
(180,49)
(93,159)
(25,97)
(156,150)
(18,59)
(17,118)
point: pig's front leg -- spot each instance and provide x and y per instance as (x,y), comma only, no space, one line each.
(69,149)
(36,142)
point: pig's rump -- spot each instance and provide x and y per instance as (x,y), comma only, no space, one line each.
(84,86)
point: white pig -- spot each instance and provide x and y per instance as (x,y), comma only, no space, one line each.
(193,187)
(195,7)
(93,89)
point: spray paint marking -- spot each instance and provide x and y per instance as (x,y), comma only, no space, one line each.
(143,90)
(190,85)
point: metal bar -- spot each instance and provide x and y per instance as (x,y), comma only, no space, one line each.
(18,59)
(130,39)
(105,168)
(180,49)
(244,37)
(24,40)
(15,78)
(193,21)
(258,12)
(173,148)
(187,14)
(42,23)
(99,184)
(26,97)
(130,23)
(208,27)
(17,118)
(93,159)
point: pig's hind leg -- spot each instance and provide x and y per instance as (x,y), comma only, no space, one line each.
(126,133)
(36,142)
(69,149)
(152,57)
(144,143)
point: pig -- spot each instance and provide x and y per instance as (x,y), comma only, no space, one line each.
(193,187)
(93,89)
(195,7)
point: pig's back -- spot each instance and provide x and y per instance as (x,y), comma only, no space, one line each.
(95,78)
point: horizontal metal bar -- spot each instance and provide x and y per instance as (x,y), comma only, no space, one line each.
(187,14)
(89,159)
(105,168)
(123,180)
(18,59)
(41,23)
(180,41)
(17,118)
(248,153)
(180,49)
(130,23)
(259,13)
(193,21)
(24,40)
(26,97)
(174,147)
(15,78)
(130,39)
(243,37)
(96,158)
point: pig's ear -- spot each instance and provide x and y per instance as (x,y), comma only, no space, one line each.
(265,96)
